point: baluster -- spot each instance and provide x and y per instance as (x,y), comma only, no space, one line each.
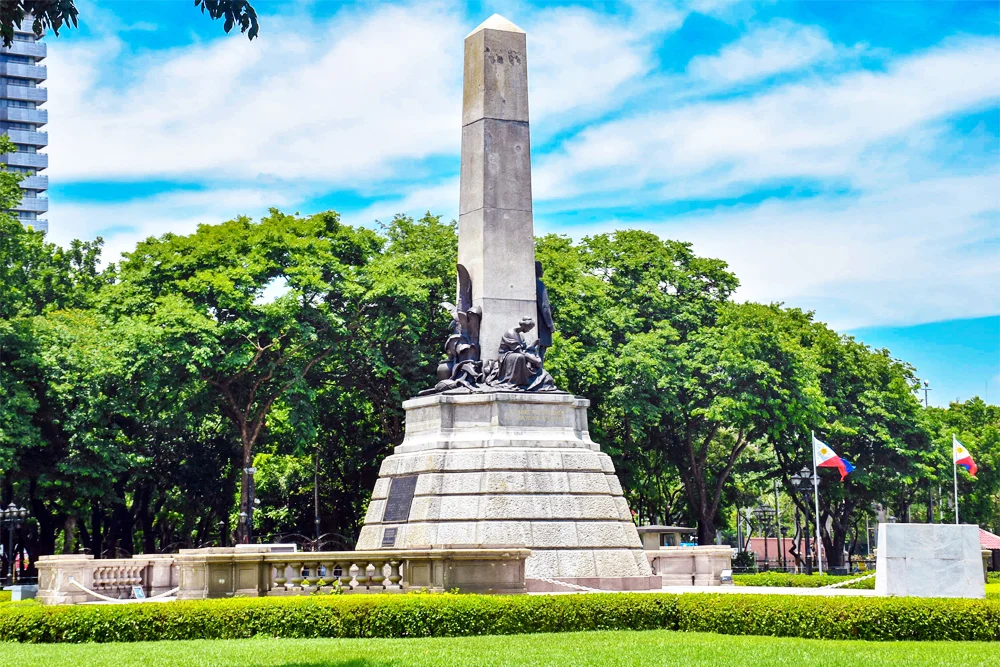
(98,578)
(378,576)
(297,577)
(394,576)
(345,576)
(313,579)
(362,576)
(279,575)
(328,576)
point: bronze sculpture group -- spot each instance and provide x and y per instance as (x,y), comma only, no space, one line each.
(518,366)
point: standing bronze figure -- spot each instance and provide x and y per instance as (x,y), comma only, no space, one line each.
(546,326)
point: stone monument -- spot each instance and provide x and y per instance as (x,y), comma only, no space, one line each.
(929,560)
(494,454)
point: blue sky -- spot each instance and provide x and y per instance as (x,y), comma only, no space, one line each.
(841,156)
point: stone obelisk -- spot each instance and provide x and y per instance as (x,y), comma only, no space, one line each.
(505,467)
(495,238)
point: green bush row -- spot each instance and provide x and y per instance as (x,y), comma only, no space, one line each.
(5,596)
(880,619)
(784,579)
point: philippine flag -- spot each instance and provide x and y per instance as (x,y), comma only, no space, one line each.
(962,457)
(827,458)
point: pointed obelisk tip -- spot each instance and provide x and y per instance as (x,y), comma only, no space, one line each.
(495,22)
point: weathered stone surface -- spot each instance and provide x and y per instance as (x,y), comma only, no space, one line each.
(496,72)
(558,497)
(929,560)
(495,223)
(497,174)
(497,420)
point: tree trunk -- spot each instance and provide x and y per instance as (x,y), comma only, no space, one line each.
(69,535)
(706,527)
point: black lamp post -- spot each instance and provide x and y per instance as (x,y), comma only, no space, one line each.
(803,482)
(12,518)
(764,514)
(784,559)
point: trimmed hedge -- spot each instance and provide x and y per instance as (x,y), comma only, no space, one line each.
(881,619)
(785,579)
(5,596)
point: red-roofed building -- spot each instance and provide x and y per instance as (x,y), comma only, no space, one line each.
(992,542)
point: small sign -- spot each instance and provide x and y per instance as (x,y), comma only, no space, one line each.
(389,537)
(397,506)
(689,544)
(138,593)
(726,577)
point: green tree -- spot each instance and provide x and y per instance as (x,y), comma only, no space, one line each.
(872,419)
(681,379)
(208,290)
(977,425)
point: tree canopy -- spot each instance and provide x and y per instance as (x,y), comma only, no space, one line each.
(134,395)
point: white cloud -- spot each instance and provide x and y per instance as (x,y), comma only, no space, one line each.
(348,102)
(778,47)
(894,256)
(815,129)
(123,224)
(364,95)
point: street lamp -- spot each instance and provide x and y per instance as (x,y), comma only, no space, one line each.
(13,518)
(764,514)
(803,483)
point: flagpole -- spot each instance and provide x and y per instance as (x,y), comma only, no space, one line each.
(954,469)
(819,538)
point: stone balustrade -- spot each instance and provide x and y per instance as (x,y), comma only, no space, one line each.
(255,572)
(690,566)
(110,577)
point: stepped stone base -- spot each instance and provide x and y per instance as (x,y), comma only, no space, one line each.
(509,469)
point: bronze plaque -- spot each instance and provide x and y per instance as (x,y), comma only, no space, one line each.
(397,506)
(389,537)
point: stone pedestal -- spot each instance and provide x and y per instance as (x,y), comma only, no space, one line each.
(509,469)
(222,572)
(929,560)
(691,566)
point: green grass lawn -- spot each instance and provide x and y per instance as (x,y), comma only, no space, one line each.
(655,647)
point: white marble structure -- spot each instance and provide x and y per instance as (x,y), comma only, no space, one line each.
(929,560)
(511,469)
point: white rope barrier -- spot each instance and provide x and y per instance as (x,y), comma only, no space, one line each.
(119,600)
(841,584)
(569,585)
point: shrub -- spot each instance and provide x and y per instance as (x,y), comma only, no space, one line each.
(5,596)
(783,579)
(457,615)
(873,619)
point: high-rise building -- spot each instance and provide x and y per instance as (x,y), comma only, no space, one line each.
(21,118)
